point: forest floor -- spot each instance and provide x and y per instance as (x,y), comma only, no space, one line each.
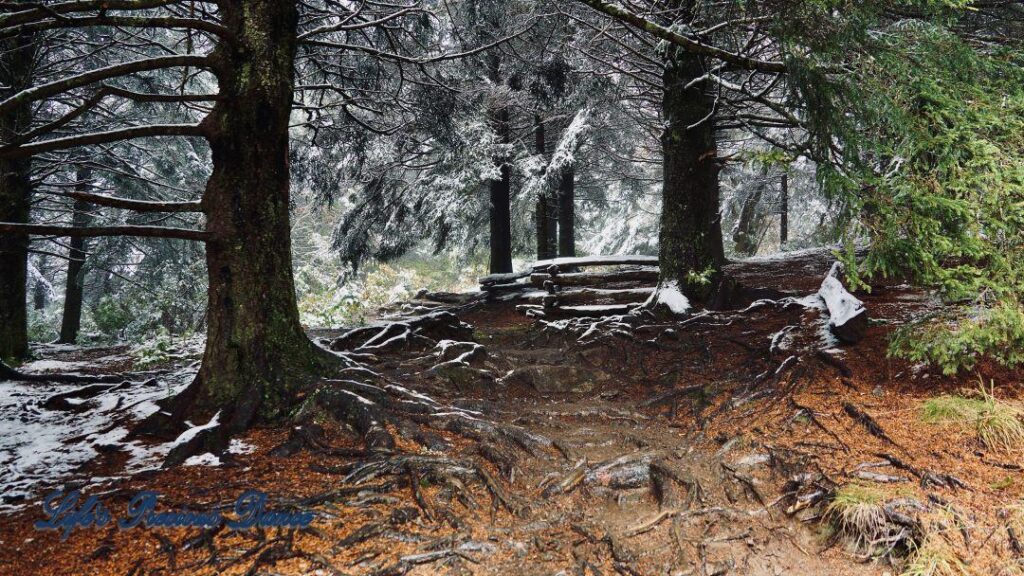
(709,448)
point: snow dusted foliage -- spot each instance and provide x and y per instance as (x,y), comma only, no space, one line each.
(542,175)
(752,202)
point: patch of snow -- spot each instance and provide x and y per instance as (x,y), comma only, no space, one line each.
(669,295)
(781,339)
(41,448)
(238,446)
(195,430)
(204,459)
(597,307)
(40,366)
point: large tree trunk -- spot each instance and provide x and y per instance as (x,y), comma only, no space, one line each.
(71,321)
(17,59)
(567,213)
(691,251)
(501,208)
(257,355)
(546,217)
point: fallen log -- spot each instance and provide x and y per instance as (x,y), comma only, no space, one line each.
(848,318)
(589,296)
(508,278)
(587,311)
(491,289)
(448,297)
(596,278)
(581,261)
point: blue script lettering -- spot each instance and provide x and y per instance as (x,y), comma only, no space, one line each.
(142,510)
(251,511)
(65,515)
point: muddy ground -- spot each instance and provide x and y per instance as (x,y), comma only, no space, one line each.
(672,450)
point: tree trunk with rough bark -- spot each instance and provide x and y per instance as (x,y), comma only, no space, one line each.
(546,218)
(567,213)
(749,227)
(784,212)
(17,60)
(691,252)
(500,207)
(71,320)
(257,355)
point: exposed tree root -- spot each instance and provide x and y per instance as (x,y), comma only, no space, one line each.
(869,423)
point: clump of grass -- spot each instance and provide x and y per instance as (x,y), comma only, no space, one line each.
(857,513)
(935,557)
(997,423)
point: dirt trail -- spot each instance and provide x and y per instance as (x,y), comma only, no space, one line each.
(670,453)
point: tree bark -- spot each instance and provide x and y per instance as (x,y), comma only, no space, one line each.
(784,212)
(691,251)
(71,320)
(17,61)
(747,233)
(257,355)
(500,208)
(567,213)
(39,292)
(545,214)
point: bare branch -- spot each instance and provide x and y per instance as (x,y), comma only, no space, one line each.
(688,44)
(26,150)
(118,21)
(34,11)
(136,205)
(52,88)
(138,231)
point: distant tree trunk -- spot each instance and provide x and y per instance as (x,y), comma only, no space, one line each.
(71,320)
(500,208)
(545,213)
(257,355)
(17,60)
(567,213)
(691,251)
(749,226)
(39,292)
(784,212)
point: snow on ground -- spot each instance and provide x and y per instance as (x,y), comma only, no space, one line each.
(40,366)
(671,296)
(41,449)
(204,459)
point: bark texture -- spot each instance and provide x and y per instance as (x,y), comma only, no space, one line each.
(567,213)
(17,60)
(546,213)
(691,251)
(257,355)
(500,206)
(784,212)
(71,320)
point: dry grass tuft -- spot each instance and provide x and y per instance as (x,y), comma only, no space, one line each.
(935,557)
(858,513)
(997,423)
